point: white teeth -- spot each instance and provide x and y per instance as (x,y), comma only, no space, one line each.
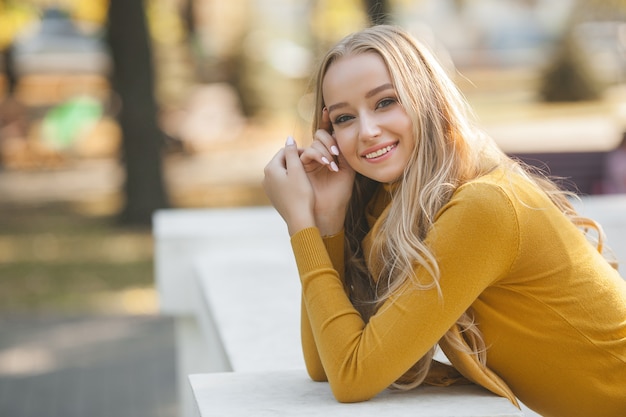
(379,152)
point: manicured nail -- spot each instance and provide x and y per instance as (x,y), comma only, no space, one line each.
(290,141)
(334,166)
(325,161)
(334,150)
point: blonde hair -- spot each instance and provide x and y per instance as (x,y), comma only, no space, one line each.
(449,151)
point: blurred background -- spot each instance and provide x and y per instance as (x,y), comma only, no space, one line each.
(112,109)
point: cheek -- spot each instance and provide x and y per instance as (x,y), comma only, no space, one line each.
(345,140)
(405,121)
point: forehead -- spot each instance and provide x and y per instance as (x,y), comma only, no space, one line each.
(354,74)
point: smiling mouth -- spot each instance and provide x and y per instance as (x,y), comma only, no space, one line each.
(380,152)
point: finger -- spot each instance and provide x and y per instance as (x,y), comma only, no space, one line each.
(292,154)
(326,125)
(325,121)
(328,141)
(317,155)
(276,164)
(316,152)
(343,163)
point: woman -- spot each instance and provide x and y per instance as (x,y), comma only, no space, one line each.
(412,230)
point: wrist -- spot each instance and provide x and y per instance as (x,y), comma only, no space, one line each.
(299,223)
(330,224)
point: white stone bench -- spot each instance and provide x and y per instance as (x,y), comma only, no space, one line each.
(292,393)
(229,279)
(235,267)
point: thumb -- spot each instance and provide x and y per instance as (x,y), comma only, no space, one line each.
(292,157)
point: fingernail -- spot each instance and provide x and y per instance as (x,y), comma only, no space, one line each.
(334,150)
(325,161)
(290,141)
(334,166)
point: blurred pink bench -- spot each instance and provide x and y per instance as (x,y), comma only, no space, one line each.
(581,172)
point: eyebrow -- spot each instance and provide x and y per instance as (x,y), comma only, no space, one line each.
(369,94)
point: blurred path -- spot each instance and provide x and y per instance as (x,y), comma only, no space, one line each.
(122,366)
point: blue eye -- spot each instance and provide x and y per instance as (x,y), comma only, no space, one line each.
(386,102)
(341,119)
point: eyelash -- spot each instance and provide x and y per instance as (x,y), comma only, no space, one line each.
(341,119)
(385,102)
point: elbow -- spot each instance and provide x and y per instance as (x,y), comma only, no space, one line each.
(343,393)
(346,394)
(350,385)
(317,374)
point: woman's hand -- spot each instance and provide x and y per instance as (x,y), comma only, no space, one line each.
(330,177)
(288,188)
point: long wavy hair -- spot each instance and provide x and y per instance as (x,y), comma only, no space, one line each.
(449,151)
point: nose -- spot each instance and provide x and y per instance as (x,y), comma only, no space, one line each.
(368,127)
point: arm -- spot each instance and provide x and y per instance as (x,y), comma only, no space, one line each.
(475,241)
(308,190)
(334,247)
(308,194)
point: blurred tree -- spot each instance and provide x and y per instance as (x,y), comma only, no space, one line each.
(133,81)
(8,67)
(13,18)
(189,18)
(172,52)
(332,20)
(91,11)
(570,76)
(378,11)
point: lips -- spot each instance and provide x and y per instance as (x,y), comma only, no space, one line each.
(379,152)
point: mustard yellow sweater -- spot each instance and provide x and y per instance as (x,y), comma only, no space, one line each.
(551,309)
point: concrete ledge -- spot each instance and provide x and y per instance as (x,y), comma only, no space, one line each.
(253,295)
(292,393)
(185,235)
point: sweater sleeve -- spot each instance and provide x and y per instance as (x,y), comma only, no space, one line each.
(475,240)
(334,247)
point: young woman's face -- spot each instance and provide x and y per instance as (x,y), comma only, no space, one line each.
(371,128)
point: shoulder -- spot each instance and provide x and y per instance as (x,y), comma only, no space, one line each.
(504,187)
(499,198)
(491,193)
(481,223)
